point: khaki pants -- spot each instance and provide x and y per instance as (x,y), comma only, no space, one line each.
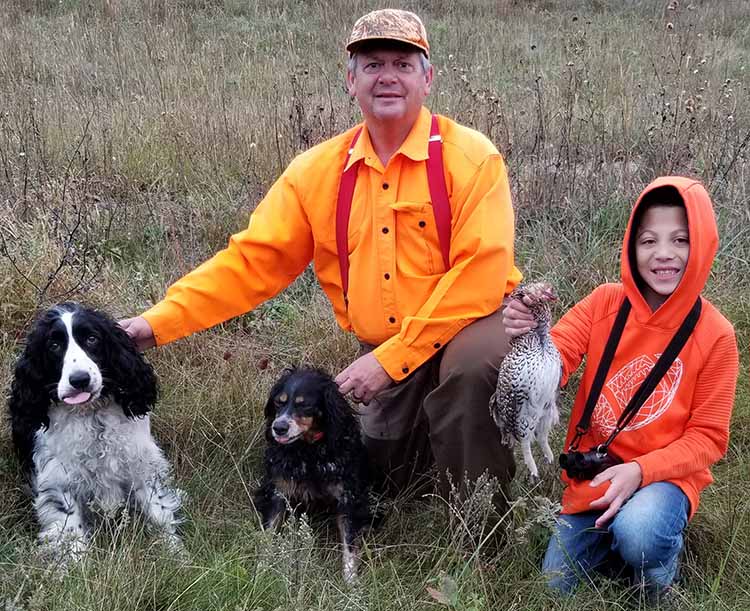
(440,416)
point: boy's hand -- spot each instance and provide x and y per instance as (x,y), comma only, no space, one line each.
(624,480)
(517,318)
(364,379)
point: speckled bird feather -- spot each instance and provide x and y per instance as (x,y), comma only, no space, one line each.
(524,405)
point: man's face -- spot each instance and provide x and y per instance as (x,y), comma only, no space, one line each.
(390,85)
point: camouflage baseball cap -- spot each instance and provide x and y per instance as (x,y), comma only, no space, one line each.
(390,24)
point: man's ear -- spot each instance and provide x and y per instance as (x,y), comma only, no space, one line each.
(428,80)
(350,83)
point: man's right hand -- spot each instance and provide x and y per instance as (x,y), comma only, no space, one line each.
(364,379)
(139,331)
(517,318)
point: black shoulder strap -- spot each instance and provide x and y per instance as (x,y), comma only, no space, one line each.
(647,386)
(601,372)
(657,373)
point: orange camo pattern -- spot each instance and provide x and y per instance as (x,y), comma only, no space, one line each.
(391,24)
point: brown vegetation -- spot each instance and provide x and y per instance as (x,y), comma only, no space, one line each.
(136,135)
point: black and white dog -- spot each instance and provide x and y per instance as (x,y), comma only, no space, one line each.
(79,409)
(315,456)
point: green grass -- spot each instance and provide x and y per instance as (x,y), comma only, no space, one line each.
(136,135)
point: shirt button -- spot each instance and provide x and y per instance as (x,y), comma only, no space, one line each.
(405,370)
(436,345)
(392,319)
(385,186)
(385,230)
(387,276)
(422,224)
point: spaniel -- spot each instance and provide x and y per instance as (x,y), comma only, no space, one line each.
(315,456)
(79,410)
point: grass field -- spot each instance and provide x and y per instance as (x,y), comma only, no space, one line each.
(136,135)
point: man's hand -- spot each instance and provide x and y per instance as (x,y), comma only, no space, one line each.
(624,480)
(139,331)
(517,318)
(364,379)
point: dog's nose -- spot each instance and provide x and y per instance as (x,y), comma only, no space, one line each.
(281,428)
(79,380)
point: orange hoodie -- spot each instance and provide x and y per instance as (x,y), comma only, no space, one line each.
(683,427)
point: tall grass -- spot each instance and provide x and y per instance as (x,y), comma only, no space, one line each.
(136,135)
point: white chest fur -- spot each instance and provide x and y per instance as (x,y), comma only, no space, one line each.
(97,453)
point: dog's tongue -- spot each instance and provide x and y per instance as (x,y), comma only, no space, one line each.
(80,397)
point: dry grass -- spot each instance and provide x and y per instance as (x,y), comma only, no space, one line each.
(136,135)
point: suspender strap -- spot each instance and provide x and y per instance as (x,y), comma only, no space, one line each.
(441,206)
(659,370)
(601,372)
(438,194)
(343,208)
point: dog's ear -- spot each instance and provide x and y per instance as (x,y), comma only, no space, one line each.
(29,394)
(337,411)
(134,382)
(270,409)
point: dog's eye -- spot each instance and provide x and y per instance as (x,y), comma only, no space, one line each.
(92,340)
(54,346)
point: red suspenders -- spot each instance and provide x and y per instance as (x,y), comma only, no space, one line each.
(438,193)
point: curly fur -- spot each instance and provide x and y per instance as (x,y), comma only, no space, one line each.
(324,465)
(79,406)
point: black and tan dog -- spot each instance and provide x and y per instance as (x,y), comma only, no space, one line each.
(315,457)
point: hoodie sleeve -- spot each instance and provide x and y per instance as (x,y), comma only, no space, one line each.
(707,430)
(571,335)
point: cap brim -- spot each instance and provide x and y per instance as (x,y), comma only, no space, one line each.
(351,47)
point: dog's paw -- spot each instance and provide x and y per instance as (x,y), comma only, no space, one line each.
(182,495)
(174,544)
(61,551)
(351,564)
(350,574)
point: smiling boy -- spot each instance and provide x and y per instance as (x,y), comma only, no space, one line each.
(632,515)
(662,247)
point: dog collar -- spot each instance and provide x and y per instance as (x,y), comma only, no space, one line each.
(313,437)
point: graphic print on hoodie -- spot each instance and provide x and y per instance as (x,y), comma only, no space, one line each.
(683,427)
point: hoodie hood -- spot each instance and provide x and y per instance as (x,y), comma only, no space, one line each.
(704,241)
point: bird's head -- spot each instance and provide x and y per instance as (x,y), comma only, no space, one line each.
(538,296)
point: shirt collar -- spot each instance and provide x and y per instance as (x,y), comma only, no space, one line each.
(414,147)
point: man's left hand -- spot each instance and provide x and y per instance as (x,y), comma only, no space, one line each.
(624,480)
(364,379)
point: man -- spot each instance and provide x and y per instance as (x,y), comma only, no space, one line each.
(425,310)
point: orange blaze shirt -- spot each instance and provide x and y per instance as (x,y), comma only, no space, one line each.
(683,428)
(401,298)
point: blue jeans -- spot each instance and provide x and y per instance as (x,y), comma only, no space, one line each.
(645,536)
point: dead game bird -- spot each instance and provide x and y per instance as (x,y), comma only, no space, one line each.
(524,405)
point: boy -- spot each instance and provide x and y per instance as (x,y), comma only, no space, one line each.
(634,513)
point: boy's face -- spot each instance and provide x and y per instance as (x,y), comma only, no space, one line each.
(662,247)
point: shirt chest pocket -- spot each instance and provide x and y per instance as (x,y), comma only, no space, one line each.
(417,243)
